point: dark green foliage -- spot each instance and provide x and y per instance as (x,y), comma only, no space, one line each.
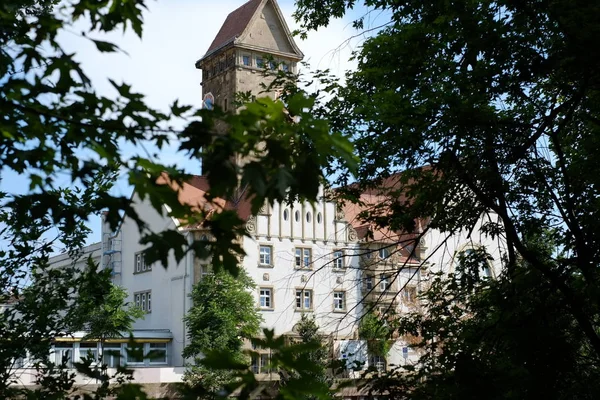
(492,108)
(317,357)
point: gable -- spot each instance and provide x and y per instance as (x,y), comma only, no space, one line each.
(268,30)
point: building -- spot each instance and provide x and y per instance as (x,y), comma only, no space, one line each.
(315,258)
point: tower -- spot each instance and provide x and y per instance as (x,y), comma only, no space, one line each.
(235,60)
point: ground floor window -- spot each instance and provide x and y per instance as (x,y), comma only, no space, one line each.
(260,363)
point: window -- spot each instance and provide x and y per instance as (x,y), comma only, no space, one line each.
(259,62)
(308,217)
(368,282)
(303,299)
(303,258)
(297,216)
(265,255)
(135,355)
(286,214)
(225,104)
(377,362)
(319,218)
(246,60)
(338,259)
(63,353)
(384,253)
(409,294)
(143,300)
(87,350)
(285,67)
(140,263)
(339,301)
(260,363)
(157,353)
(273,65)
(112,355)
(205,270)
(265,298)
(384,282)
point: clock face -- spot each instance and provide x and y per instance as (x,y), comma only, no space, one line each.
(208,101)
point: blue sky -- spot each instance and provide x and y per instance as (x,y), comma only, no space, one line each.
(161,64)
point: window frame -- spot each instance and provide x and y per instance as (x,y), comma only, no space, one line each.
(246,57)
(341,260)
(142,299)
(300,259)
(301,296)
(341,299)
(271,305)
(260,255)
(384,282)
(148,348)
(140,265)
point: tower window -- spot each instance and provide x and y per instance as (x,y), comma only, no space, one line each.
(285,67)
(259,62)
(246,60)
(273,65)
(225,104)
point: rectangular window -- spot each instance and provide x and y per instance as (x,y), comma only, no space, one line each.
(409,294)
(87,350)
(303,258)
(246,60)
(259,62)
(378,362)
(225,104)
(63,353)
(273,65)
(140,263)
(338,259)
(135,355)
(265,255)
(143,300)
(112,355)
(368,282)
(264,363)
(157,353)
(285,67)
(339,301)
(265,298)
(260,363)
(384,282)
(304,299)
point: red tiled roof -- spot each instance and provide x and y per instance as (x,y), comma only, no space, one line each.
(193,193)
(234,25)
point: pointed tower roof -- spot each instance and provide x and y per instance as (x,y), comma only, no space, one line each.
(238,22)
(234,25)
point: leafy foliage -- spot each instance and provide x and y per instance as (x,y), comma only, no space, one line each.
(222,318)
(490,108)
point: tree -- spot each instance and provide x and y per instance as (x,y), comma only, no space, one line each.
(499,100)
(316,355)
(222,317)
(113,317)
(55,126)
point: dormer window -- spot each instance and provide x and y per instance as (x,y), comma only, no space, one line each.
(246,60)
(285,67)
(259,62)
(273,65)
